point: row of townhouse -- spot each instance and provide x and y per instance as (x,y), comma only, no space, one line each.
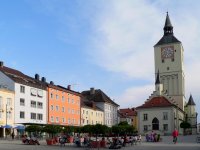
(25,100)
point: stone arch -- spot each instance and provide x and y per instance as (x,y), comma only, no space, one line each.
(155,124)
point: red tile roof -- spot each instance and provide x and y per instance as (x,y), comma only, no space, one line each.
(156,102)
(128,111)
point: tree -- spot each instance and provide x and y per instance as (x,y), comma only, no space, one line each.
(185,125)
(33,128)
(52,129)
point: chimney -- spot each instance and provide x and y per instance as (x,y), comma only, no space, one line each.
(1,64)
(37,77)
(69,87)
(92,91)
(43,79)
(51,82)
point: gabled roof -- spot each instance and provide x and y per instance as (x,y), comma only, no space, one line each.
(89,104)
(128,111)
(191,101)
(159,101)
(98,96)
(21,78)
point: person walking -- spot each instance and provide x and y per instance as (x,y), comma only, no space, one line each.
(175,135)
(13,135)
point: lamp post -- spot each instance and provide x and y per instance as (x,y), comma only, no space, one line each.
(6,121)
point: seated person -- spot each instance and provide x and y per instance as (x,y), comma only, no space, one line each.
(34,140)
(26,139)
(77,141)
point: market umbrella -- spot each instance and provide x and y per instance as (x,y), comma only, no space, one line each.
(7,126)
(20,127)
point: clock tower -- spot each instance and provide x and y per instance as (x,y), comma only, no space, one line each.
(168,56)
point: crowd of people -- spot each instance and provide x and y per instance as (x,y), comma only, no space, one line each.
(153,137)
(30,140)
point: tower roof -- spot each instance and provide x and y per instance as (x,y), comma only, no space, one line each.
(168,36)
(168,22)
(157,78)
(191,101)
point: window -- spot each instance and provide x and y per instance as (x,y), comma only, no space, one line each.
(1,102)
(57,97)
(22,102)
(83,111)
(145,117)
(0,114)
(33,104)
(40,93)
(51,107)
(165,116)
(145,128)
(68,120)
(39,116)
(9,115)
(22,89)
(87,121)
(72,101)
(33,115)
(33,92)
(22,114)
(68,100)
(87,112)
(63,98)
(51,95)
(163,60)
(39,104)
(57,108)
(52,120)
(165,127)
(63,119)
(9,102)
(63,109)
(72,111)
(57,119)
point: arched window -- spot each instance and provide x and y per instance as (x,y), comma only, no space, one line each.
(155,124)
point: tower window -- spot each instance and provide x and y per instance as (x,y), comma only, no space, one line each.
(163,60)
(167,68)
(172,59)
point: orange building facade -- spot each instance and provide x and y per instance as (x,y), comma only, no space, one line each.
(63,106)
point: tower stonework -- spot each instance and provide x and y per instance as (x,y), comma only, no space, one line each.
(168,56)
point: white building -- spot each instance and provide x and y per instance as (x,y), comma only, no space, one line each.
(163,111)
(30,96)
(102,101)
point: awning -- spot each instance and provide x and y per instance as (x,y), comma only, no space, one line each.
(7,126)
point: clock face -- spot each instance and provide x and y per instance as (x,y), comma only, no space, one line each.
(167,52)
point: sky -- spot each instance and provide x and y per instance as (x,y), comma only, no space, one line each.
(105,44)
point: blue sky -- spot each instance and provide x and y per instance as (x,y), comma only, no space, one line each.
(105,44)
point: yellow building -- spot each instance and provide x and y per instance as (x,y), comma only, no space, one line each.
(91,114)
(6,105)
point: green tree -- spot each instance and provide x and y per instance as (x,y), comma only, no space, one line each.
(52,129)
(185,125)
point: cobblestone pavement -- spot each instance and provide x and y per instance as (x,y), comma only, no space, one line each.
(184,143)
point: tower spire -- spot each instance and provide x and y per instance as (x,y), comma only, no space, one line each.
(168,28)
(157,78)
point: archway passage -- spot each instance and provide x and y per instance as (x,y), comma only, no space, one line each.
(155,124)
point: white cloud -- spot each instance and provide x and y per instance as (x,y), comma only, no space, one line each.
(135,96)
(125,35)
